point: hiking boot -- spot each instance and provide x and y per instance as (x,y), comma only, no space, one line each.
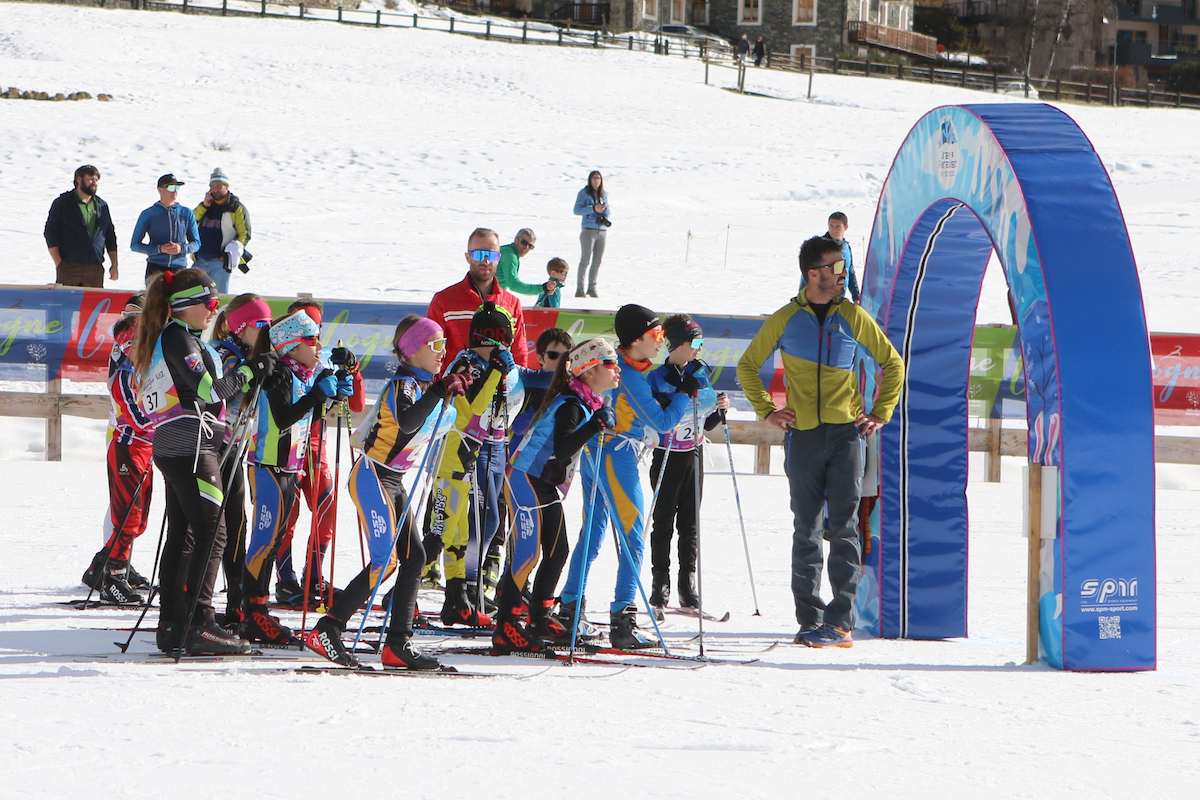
(687,590)
(566,618)
(579,292)
(624,633)
(804,631)
(117,590)
(136,579)
(457,610)
(289,593)
(660,589)
(259,626)
(545,626)
(401,653)
(827,636)
(325,638)
(512,636)
(210,639)
(592,292)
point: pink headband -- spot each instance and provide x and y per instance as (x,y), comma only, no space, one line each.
(242,316)
(422,331)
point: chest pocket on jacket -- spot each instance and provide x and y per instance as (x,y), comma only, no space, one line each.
(839,344)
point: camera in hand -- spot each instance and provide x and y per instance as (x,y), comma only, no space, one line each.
(602,219)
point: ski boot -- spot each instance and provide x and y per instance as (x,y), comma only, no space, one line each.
(289,593)
(566,618)
(259,626)
(210,639)
(513,636)
(473,597)
(660,589)
(624,633)
(325,638)
(399,652)
(116,588)
(545,626)
(687,590)
(457,610)
(166,637)
(431,578)
(136,579)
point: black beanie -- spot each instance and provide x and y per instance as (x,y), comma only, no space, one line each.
(632,321)
(491,324)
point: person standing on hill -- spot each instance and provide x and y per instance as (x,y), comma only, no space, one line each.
(760,52)
(510,264)
(742,48)
(78,231)
(592,204)
(171,229)
(819,334)
(224,231)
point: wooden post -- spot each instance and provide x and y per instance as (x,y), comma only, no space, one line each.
(54,423)
(931,71)
(224,6)
(964,77)
(339,13)
(377,14)
(525,31)
(1089,91)
(185,2)
(414,20)
(991,458)
(487,31)
(867,68)
(1034,510)
(1149,97)
(762,459)
(560,39)
(452,24)
(835,63)
(995,83)
(900,72)
(302,11)
(263,10)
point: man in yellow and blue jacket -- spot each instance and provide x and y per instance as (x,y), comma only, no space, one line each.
(818,335)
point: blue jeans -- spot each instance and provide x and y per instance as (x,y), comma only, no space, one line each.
(215,267)
(619,496)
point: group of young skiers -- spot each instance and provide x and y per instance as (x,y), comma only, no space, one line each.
(491,448)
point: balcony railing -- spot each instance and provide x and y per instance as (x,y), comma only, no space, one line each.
(586,13)
(870,33)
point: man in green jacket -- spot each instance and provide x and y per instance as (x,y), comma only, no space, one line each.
(818,334)
(510,262)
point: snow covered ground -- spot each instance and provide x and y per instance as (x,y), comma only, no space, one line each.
(366,157)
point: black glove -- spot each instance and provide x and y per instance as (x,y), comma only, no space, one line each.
(502,359)
(263,366)
(604,418)
(555,472)
(344,357)
(689,385)
(672,377)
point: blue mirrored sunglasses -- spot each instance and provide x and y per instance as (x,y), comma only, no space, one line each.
(485,256)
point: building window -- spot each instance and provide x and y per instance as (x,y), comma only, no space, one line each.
(804,12)
(749,12)
(803,55)
(676,10)
(650,9)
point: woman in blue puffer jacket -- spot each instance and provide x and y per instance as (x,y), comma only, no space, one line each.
(592,204)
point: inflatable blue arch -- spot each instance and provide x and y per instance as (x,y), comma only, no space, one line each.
(1021,179)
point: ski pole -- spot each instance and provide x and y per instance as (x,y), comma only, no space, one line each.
(343,409)
(429,478)
(399,524)
(741,519)
(314,486)
(153,588)
(586,542)
(698,437)
(628,556)
(116,532)
(243,415)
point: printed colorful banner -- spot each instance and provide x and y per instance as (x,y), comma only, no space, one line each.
(50,333)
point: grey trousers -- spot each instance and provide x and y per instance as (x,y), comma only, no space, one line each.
(824,466)
(591,245)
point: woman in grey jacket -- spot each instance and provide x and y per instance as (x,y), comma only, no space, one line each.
(592,204)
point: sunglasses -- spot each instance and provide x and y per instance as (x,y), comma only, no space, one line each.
(838,266)
(697,343)
(173,187)
(658,333)
(526,242)
(553,355)
(212,303)
(261,323)
(485,256)
(608,363)
(438,345)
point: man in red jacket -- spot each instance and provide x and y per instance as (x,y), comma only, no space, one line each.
(453,307)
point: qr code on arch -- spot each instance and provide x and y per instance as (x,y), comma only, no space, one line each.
(1110,627)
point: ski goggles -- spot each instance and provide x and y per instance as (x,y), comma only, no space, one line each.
(438,345)
(485,256)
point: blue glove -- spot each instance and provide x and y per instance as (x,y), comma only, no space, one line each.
(326,383)
(503,360)
(345,384)
(604,418)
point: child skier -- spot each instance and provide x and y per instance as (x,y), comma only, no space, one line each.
(129,475)
(620,488)
(286,409)
(402,421)
(557,269)
(182,390)
(316,484)
(236,333)
(678,503)
(572,412)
